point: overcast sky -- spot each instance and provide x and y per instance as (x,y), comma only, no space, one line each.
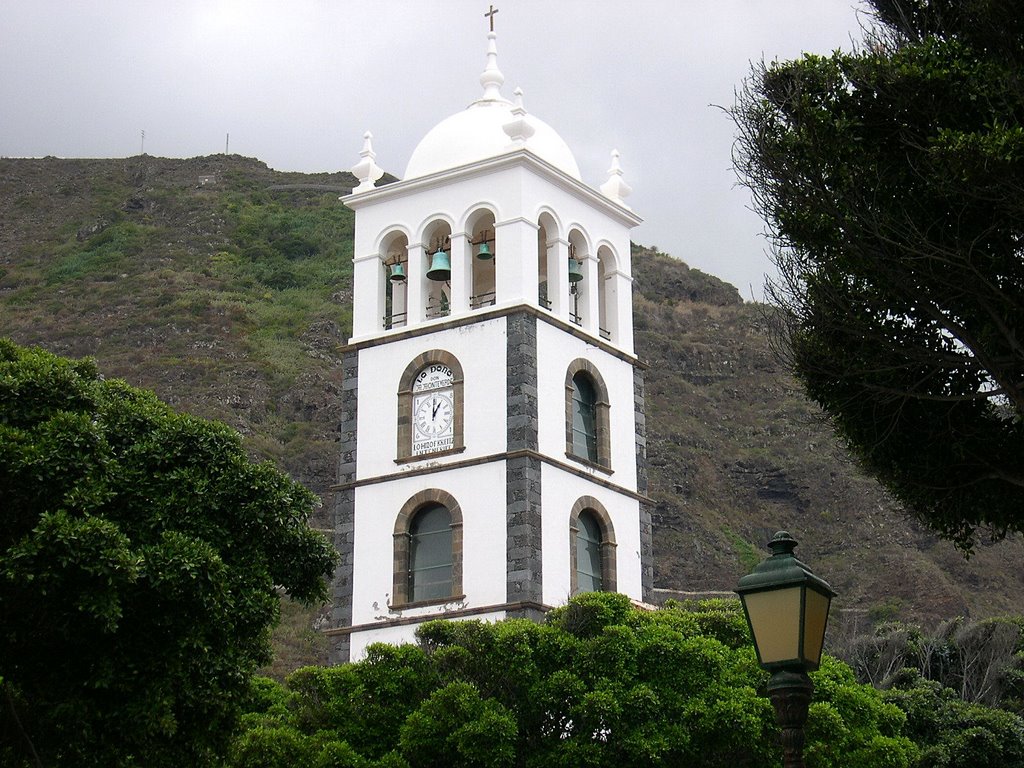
(296,83)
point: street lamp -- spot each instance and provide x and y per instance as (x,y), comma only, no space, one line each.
(787,610)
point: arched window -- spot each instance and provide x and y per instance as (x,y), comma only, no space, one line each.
(592,547)
(428,550)
(430,413)
(584,417)
(587,432)
(430,554)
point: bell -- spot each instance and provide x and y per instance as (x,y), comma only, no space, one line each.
(440,267)
(484,253)
(397,273)
(575,270)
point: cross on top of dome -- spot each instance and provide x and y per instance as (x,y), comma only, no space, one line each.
(491,126)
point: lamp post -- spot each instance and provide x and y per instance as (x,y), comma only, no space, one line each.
(787,610)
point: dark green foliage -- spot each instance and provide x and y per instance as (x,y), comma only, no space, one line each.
(289,243)
(456,727)
(140,556)
(600,684)
(953,733)
(891,181)
(367,703)
(103,255)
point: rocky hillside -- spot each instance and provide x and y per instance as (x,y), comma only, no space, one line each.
(225,287)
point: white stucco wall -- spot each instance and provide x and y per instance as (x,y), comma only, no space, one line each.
(480,350)
(561,490)
(555,351)
(480,492)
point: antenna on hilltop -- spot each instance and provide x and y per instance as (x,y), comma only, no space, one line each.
(227,137)
(142,144)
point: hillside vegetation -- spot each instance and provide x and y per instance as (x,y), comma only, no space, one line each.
(232,298)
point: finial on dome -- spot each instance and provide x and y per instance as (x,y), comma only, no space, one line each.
(519,128)
(366,170)
(491,78)
(616,188)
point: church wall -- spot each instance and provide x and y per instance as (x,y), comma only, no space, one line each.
(483,532)
(561,490)
(555,351)
(480,350)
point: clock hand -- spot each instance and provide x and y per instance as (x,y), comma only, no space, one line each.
(433,414)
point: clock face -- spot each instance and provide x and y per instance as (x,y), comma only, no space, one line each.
(434,415)
(433,411)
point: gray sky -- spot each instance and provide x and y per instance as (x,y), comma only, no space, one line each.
(297,82)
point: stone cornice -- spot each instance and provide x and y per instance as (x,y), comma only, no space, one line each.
(516,157)
(493,457)
(491,314)
(421,618)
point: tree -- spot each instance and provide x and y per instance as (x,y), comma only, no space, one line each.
(140,556)
(599,684)
(892,183)
(951,732)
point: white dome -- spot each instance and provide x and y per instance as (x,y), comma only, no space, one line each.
(478,133)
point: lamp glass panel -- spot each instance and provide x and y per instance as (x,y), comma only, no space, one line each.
(775,619)
(815,617)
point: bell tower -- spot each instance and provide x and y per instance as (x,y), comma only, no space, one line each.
(493,445)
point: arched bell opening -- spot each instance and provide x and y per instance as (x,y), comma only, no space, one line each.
(577,286)
(394,278)
(607,301)
(547,246)
(436,285)
(483,253)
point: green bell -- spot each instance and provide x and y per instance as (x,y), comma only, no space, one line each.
(440,267)
(575,270)
(484,252)
(397,273)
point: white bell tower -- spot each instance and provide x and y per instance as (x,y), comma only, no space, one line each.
(493,448)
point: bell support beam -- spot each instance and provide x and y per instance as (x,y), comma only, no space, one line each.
(589,308)
(516,263)
(368,270)
(417,288)
(558,278)
(462,272)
